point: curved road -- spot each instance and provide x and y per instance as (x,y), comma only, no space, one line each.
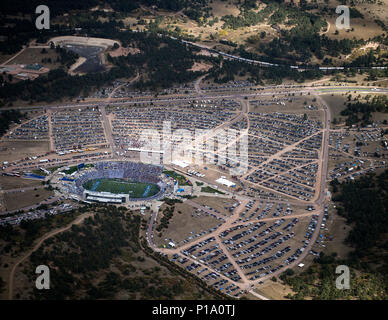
(78,220)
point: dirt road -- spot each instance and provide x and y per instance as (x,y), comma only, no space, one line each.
(39,242)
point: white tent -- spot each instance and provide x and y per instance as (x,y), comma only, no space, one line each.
(226,182)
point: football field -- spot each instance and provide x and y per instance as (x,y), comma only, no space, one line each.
(120,186)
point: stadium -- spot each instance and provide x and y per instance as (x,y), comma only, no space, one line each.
(118,182)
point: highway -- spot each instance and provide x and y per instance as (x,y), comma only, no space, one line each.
(278,90)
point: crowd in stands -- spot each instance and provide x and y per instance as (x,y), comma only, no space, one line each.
(138,172)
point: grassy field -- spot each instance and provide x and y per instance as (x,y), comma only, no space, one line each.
(34,55)
(39,172)
(211,190)
(182,181)
(75,168)
(219,204)
(272,290)
(336,105)
(7,183)
(18,200)
(119,186)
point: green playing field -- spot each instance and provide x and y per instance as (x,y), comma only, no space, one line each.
(121,186)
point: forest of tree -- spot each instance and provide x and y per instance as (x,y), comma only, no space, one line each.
(58,84)
(231,69)
(7,117)
(18,239)
(357,112)
(103,257)
(364,204)
(163,62)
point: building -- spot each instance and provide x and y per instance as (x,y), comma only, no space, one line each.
(105,197)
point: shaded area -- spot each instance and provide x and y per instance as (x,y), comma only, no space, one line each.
(92,54)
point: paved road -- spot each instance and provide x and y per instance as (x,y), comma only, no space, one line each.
(147,100)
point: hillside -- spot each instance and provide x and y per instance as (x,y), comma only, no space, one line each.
(363,204)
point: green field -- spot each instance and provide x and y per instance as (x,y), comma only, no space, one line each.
(39,172)
(182,181)
(211,190)
(75,168)
(121,186)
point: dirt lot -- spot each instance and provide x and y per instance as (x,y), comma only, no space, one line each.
(4,57)
(273,290)
(379,116)
(339,230)
(335,103)
(293,104)
(15,150)
(363,29)
(184,222)
(200,67)
(17,200)
(8,183)
(216,203)
(34,55)
(123,52)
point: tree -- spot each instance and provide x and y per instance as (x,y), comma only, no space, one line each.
(2,284)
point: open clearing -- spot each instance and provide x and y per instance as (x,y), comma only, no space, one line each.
(15,150)
(34,55)
(273,290)
(8,183)
(18,200)
(339,230)
(335,103)
(218,204)
(186,221)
